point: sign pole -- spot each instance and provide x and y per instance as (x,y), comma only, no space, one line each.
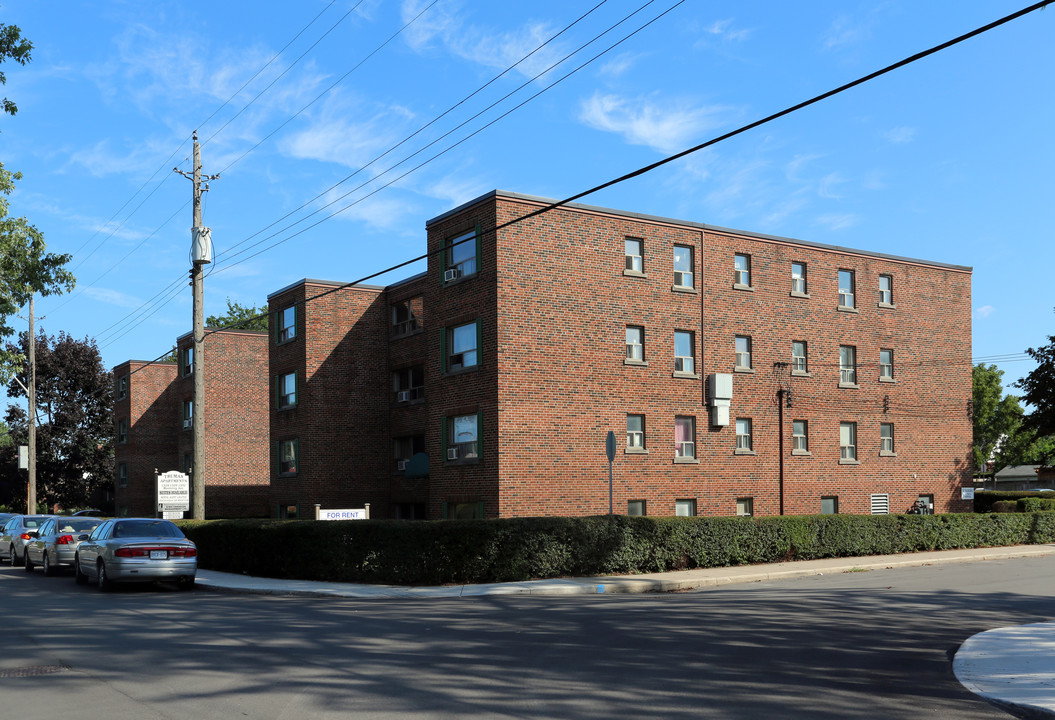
(609,449)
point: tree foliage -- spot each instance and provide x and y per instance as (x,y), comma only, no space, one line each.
(1039,388)
(13,47)
(995,416)
(241,317)
(74,419)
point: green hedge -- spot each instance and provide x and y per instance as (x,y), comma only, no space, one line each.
(987,501)
(482,551)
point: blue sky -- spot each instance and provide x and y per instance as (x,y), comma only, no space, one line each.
(948,159)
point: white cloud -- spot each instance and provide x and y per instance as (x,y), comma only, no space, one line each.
(984,311)
(900,135)
(111,297)
(619,65)
(666,127)
(381,211)
(838,222)
(721,28)
(845,32)
(828,185)
(349,135)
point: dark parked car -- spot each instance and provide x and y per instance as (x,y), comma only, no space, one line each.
(56,542)
(136,550)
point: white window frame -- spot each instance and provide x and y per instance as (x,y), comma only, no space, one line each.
(685,277)
(848,441)
(847,365)
(742,348)
(635,432)
(744,441)
(886,364)
(186,356)
(635,261)
(798,278)
(466,444)
(685,363)
(287,397)
(886,294)
(800,363)
(635,346)
(286,324)
(457,359)
(742,270)
(685,449)
(288,462)
(800,436)
(467,265)
(847,283)
(685,507)
(745,507)
(886,438)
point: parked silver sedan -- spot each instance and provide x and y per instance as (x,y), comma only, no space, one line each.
(15,533)
(136,550)
(55,543)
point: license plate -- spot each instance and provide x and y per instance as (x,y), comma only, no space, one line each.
(159,555)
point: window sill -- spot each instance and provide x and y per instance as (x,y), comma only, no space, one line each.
(286,407)
(466,461)
(407,403)
(886,306)
(745,288)
(412,333)
(635,451)
(461,371)
(460,279)
(797,294)
(740,451)
(847,309)
(287,341)
(801,373)
(635,274)
(748,370)
(887,380)
(636,363)
(850,386)
(684,289)
(802,453)
(849,462)
(887,453)
(287,475)
(686,461)
(685,375)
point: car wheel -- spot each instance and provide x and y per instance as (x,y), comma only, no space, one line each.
(28,563)
(79,577)
(101,580)
(12,556)
(46,566)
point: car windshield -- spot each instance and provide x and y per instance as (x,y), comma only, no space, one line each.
(146,528)
(36,521)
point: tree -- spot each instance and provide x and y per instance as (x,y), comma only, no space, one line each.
(14,47)
(241,317)
(995,416)
(1039,387)
(75,430)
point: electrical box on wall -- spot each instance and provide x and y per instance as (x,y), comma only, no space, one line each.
(719,397)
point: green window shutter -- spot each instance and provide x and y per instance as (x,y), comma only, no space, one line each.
(479,343)
(480,510)
(480,437)
(443,438)
(278,391)
(443,351)
(443,510)
(274,456)
(297,459)
(479,233)
(275,316)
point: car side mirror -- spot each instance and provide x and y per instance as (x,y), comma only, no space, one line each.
(82,538)
(33,533)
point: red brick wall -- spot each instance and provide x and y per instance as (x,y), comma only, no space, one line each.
(150,408)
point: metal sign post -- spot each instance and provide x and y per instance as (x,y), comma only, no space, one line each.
(609,448)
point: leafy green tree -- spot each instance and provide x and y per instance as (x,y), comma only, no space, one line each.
(995,415)
(75,425)
(1039,387)
(12,47)
(241,317)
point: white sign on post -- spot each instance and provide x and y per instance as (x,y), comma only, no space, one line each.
(173,493)
(967,493)
(350,514)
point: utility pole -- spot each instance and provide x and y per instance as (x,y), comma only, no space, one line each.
(31,391)
(200,255)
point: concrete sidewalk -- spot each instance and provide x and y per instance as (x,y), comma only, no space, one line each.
(1013,667)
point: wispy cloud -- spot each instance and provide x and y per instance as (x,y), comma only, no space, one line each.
(666,127)
(845,31)
(111,297)
(619,65)
(724,30)
(838,222)
(900,135)
(984,311)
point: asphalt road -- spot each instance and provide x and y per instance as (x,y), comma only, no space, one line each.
(873,644)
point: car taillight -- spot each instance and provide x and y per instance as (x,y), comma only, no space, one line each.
(183,552)
(25,536)
(145,552)
(64,540)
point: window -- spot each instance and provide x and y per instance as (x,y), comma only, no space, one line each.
(122,387)
(404,448)
(122,431)
(634,259)
(188,463)
(409,383)
(830,505)
(685,508)
(407,316)
(286,390)
(684,352)
(743,435)
(798,278)
(286,324)
(635,508)
(848,441)
(462,341)
(800,437)
(880,504)
(799,363)
(886,290)
(886,364)
(461,256)
(846,289)
(463,511)
(635,344)
(684,438)
(635,433)
(743,352)
(463,435)
(745,507)
(122,474)
(188,414)
(742,270)
(847,365)
(187,361)
(288,457)
(886,439)
(683,267)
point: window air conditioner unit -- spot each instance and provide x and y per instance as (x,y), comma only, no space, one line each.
(401,464)
(452,453)
(403,396)
(188,424)
(452,274)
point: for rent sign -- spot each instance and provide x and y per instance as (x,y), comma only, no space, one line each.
(348,514)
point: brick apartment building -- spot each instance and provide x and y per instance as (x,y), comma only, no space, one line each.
(743,374)
(153,413)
